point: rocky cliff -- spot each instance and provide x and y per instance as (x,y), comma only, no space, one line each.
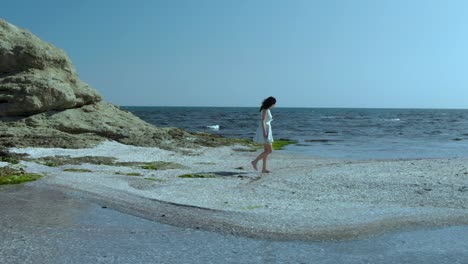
(44,103)
(36,77)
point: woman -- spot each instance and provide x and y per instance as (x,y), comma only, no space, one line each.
(263,134)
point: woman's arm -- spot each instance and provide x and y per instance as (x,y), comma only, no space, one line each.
(264,116)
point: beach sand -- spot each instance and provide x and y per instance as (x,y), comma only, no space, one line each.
(305,198)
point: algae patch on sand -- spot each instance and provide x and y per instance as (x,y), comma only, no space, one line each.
(194,176)
(281,143)
(14,176)
(10,160)
(128,173)
(277,145)
(54,161)
(161,165)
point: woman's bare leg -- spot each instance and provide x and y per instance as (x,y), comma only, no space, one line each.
(259,157)
(268,150)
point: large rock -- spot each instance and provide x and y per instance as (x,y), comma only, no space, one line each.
(36,77)
(85,126)
(44,104)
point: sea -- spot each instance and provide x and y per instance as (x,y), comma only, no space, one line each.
(343,133)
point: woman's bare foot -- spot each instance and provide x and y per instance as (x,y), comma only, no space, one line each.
(254,165)
(266,171)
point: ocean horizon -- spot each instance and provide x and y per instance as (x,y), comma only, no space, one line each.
(293,107)
(345,133)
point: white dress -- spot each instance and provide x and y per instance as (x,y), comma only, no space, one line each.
(259,138)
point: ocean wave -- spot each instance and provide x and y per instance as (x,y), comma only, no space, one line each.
(390,119)
(213,127)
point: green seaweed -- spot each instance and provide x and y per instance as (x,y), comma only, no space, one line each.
(54,161)
(9,160)
(128,173)
(16,179)
(196,175)
(277,144)
(13,176)
(161,165)
(50,164)
(281,143)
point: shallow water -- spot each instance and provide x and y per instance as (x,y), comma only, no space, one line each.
(76,230)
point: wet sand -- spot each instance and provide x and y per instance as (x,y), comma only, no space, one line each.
(304,198)
(41,224)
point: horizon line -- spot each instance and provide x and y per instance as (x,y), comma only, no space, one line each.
(298,107)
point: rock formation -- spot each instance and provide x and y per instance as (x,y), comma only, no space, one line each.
(36,77)
(44,103)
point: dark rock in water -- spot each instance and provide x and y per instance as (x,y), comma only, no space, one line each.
(43,103)
(13,158)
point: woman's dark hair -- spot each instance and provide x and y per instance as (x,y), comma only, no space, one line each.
(267,103)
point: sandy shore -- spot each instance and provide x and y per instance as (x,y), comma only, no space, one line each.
(304,198)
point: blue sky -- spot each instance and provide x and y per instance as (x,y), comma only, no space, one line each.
(306,53)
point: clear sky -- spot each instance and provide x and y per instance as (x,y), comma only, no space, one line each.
(306,53)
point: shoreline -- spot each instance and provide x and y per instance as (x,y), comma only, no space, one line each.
(305,198)
(37,229)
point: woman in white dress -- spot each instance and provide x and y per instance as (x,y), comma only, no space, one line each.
(263,134)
